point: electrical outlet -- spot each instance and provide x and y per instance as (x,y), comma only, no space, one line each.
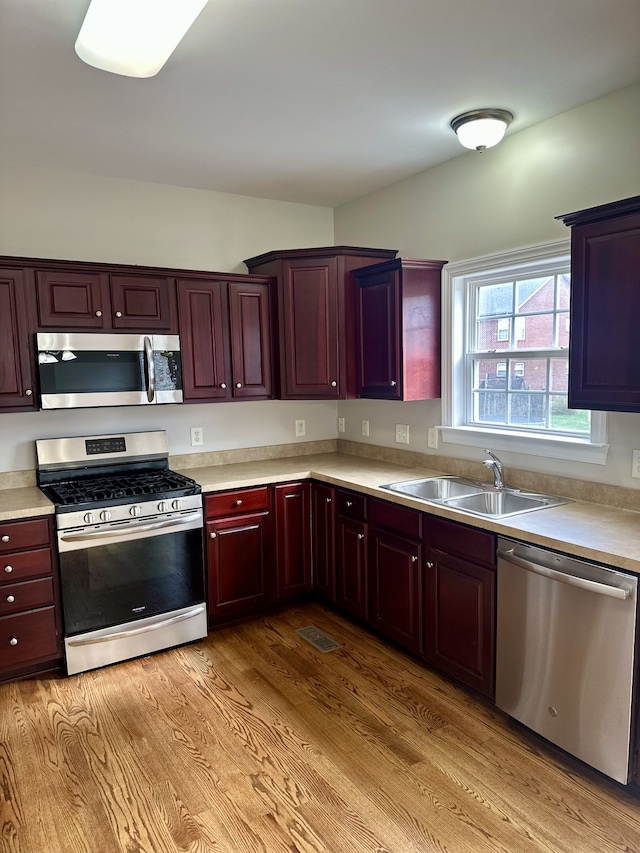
(432,437)
(197,436)
(340,424)
(365,427)
(635,463)
(402,433)
(301,428)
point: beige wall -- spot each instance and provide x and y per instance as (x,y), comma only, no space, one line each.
(503,199)
(52,214)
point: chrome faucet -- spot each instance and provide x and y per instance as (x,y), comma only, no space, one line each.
(496,466)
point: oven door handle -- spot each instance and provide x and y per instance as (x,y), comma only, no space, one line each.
(142,528)
(142,630)
(151,369)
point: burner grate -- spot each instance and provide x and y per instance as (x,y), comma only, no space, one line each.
(130,485)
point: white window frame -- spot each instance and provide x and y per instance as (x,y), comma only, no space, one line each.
(529,262)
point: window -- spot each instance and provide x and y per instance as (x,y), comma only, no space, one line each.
(505,357)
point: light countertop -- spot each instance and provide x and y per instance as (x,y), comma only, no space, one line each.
(605,534)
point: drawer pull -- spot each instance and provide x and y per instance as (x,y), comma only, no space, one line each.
(238,384)
(98,313)
(11,599)
(360,535)
(213,535)
(239,502)
(8,569)
(429,565)
(5,538)
(223,385)
(414,559)
(13,641)
(349,503)
(28,392)
(392,383)
(118,313)
(328,500)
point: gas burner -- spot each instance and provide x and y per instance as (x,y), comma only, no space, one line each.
(124,488)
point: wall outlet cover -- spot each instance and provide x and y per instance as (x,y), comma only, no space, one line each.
(197,436)
(341,427)
(301,428)
(402,433)
(365,427)
(635,463)
(432,437)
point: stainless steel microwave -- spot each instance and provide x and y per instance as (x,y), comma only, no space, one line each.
(83,370)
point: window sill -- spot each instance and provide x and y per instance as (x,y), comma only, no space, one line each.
(552,446)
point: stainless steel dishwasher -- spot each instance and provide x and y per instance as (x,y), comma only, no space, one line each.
(565,652)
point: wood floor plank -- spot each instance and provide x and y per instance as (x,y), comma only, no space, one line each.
(254,742)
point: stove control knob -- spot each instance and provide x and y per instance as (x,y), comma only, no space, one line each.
(176,504)
(89,518)
(163,506)
(105,515)
(135,511)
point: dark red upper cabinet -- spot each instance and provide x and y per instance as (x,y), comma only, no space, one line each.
(604,367)
(398,329)
(204,333)
(314,317)
(250,327)
(142,302)
(16,381)
(73,299)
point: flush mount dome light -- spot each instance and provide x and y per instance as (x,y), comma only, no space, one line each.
(134,37)
(480,129)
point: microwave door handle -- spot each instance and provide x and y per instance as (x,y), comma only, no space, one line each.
(151,369)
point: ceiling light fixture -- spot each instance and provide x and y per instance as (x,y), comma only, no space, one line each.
(134,37)
(480,129)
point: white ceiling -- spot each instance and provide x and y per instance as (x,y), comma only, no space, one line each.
(315,101)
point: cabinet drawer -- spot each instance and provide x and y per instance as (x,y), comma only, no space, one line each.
(461,541)
(25,565)
(15,535)
(400,519)
(236,502)
(352,505)
(26,595)
(28,636)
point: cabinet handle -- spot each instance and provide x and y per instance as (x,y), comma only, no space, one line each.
(239,501)
(5,538)
(414,559)
(28,392)
(212,535)
(334,384)
(11,599)
(13,641)
(238,384)
(118,313)
(223,385)
(360,535)
(8,569)
(349,503)
(392,383)
(98,313)
(328,500)
(429,565)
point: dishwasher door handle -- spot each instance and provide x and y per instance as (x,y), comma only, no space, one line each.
(571,580)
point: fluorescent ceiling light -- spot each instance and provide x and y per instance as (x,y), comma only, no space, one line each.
(480,129)
(134,37)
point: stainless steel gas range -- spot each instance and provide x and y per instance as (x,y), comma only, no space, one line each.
(129,536)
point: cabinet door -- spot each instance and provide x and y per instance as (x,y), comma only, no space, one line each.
(460,620)
(395,588)
(309,334)
(143,302)
(16,381)
(73,299)
(249,318)
(605,303)
(351,567)
(204,333)
(239,567)
(379,363)
(293,559)
(323,540)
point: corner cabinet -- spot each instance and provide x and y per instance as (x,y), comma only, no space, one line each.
(314,317)
(604,368)
(398,329)
(225,330)
(293,540)
(16,359)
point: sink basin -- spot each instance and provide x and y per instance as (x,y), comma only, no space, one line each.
(436,488)
(474,497)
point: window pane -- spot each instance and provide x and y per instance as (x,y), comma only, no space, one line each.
(534,294)
(490,373)
(538,332)
(563,330)
(493,334)
(495,299)
(564,290)
(490,407)
(528,410)
(530,376)
(559,375)
(568,420)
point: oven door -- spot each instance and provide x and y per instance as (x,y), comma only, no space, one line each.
(118,574)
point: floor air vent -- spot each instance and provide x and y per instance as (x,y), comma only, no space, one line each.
(318,639)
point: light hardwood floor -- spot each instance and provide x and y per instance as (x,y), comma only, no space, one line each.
(254,742)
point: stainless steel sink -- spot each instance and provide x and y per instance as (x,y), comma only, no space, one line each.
(474,497)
